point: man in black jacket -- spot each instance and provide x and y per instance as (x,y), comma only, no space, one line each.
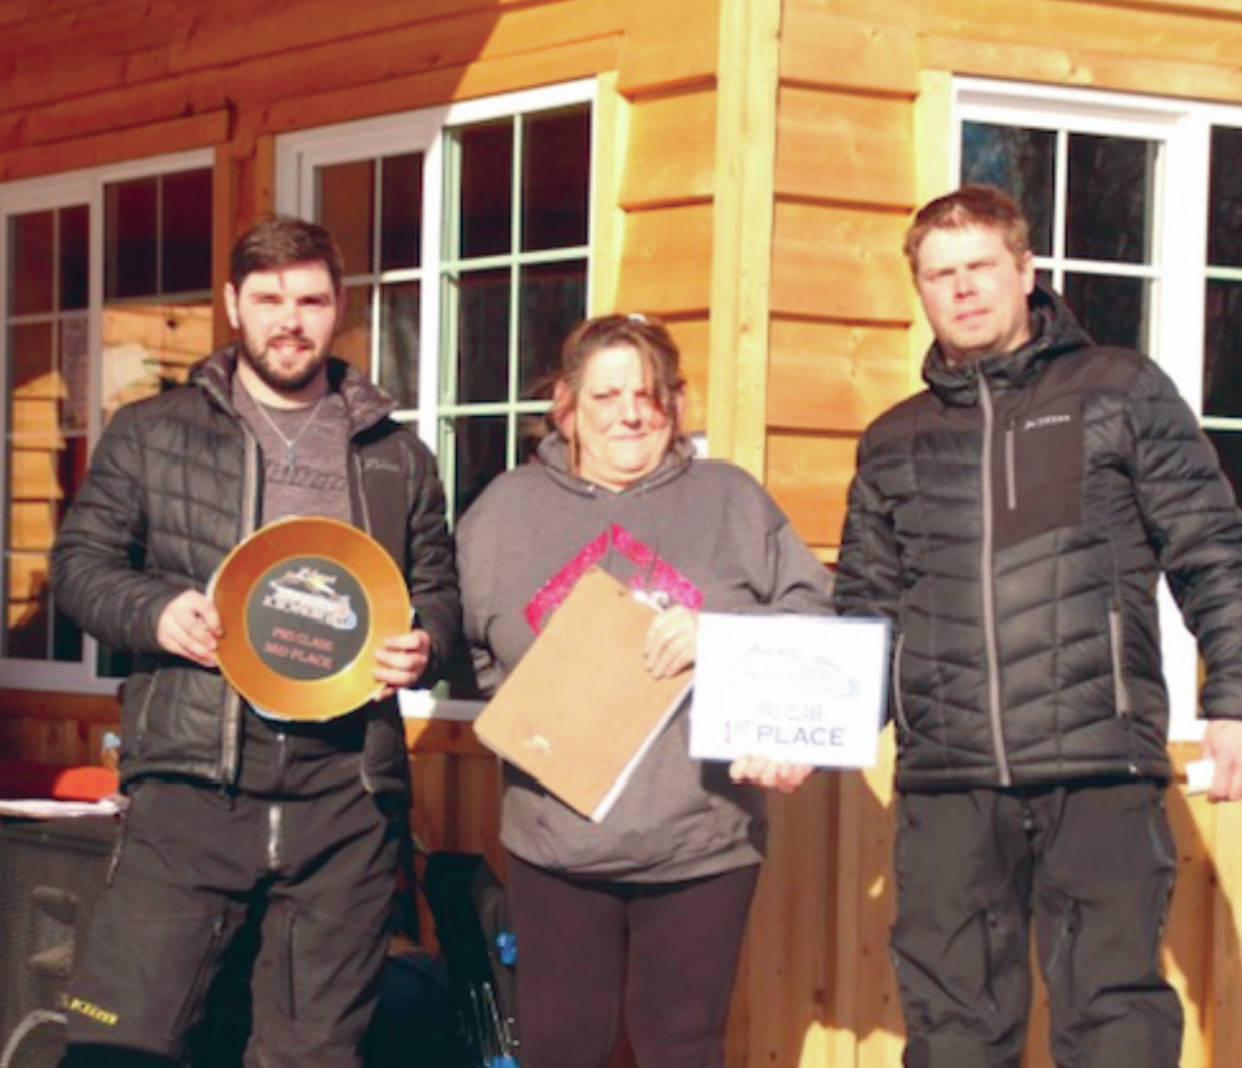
(1013,521)
(230,809)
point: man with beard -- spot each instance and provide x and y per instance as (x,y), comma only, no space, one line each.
(234,815)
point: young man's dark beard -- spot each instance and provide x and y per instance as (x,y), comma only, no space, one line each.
(270,376)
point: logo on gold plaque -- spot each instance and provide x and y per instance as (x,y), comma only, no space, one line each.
(304,603)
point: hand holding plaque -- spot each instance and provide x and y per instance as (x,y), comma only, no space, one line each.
(305,603)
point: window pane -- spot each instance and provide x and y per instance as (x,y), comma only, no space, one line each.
(1229,448)
(483,336)
(346,203)
(1022,162)
(1110,198)
(401,231)
(74,373)
(399,311)
(553,298)
(74,257)
(130,251)
(31,263)
(1114,311)
(30,370)
(1222,349)
(150,346)
(353,336)
(26,619)
(1225,199)
(486,188)
(555,168)
(478,456)
(186,259)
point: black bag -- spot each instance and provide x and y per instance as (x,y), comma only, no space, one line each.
(471,912)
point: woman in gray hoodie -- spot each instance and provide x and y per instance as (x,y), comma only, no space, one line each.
(646,908)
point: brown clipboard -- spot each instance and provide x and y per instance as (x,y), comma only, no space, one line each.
(580,709)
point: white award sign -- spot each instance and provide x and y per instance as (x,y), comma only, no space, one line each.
(804,689)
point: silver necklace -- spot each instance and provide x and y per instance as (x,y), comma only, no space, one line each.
(290,442)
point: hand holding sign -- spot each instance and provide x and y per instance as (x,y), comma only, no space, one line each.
(798,690)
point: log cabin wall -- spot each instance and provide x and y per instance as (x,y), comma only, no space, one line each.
(863,123)
(755,166)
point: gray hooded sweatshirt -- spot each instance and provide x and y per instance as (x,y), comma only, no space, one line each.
(702,533)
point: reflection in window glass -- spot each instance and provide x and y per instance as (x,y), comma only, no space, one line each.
(1229,450)
(31,242)
(483,336)
(551,299)
(1109,198)
(74,372)
(555,161)
(185,237)
(1222,349)
(75,257)
(1114,311)
(478,456)
(130,241)
(1020,161)
(401,211)
(399,312)
(345,197)
(353,336)
(1225,199)
(486,189)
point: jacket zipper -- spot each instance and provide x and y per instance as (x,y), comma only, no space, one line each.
(899,709)
(274,818)
(987,587)
(231,713)
(1121,692)
(1011,477)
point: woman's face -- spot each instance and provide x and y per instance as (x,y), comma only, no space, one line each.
(620,430)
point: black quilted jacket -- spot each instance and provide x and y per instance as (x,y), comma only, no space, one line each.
(174,484)
(1013,521)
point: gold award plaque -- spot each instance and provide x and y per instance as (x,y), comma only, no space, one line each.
(304,603)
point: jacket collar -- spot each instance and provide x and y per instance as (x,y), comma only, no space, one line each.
(1054,331)
(365,403)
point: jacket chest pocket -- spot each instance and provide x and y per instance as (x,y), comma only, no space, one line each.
(1038,473)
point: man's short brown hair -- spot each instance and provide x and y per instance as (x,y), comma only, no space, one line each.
(971,205)
(279,241)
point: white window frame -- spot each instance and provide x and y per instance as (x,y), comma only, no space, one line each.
(47,194)
(299,153)
(1179,259)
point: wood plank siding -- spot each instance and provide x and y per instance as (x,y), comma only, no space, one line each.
(756,163)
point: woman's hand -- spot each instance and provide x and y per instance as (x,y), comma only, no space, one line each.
(771,774)
(671,640)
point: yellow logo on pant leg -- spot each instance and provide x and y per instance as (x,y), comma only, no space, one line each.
(92,1011)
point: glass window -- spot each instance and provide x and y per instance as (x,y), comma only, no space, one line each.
(1222,320)
(71,357)
(514,281)
(465,237)
(1090,199)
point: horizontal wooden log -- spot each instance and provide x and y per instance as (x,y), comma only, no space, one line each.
(543,66)
(175,135)
(835,377)
(671,151)
(838,262)
(824,47)
(808,476)
(668,48)
(666,260)
(844,147)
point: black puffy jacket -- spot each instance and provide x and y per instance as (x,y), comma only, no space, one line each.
(1013,521)
(175,483)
